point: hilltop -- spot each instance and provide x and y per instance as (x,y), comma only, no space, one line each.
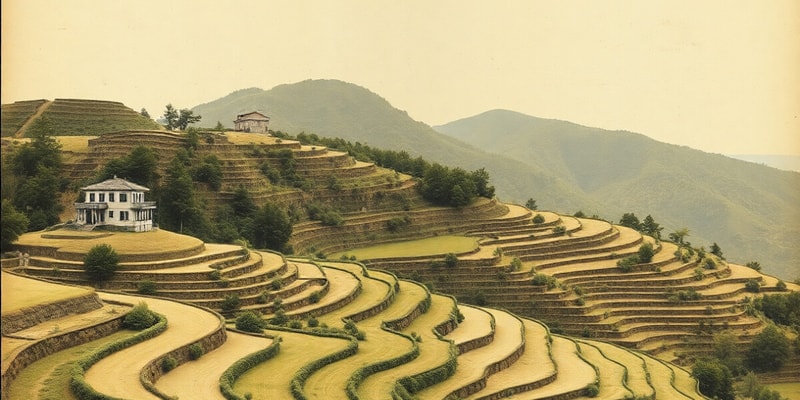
(70,117)
(563,166)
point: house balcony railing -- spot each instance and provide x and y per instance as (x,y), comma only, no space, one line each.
(91,206)
(143,205)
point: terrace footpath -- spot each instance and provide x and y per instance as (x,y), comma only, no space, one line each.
(186,324)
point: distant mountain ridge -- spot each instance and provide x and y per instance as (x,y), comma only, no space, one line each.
(749,210)
(779,161)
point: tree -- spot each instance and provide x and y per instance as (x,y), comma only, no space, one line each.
(12,224)
(42,151)
(38,197)
(631,221)
(754,265)
(272,228)
(714,379)
(716,250)
(679,236)
(769,350)
(171,116)
(651,227)
(139,166)
(726,350)
(101,262)
(186,117)
(219,126)
(531,204)
(144,113)
(249,321)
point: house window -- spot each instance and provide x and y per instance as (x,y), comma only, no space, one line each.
(102,197)
(111,197)
(110,214)
(123,197)
(123,215)
(91,197)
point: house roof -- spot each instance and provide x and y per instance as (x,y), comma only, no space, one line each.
(116,184)
(253,115)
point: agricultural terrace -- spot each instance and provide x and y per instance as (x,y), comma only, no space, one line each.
(433,246)
(19,293)
(124,243)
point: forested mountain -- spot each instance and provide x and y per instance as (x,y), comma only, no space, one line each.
(749,210)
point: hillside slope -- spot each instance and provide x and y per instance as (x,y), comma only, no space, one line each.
(564,166)
(750,210)
(337,109)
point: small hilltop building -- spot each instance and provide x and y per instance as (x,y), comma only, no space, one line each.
(116,204)
(253,121)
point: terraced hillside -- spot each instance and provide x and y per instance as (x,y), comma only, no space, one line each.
(70,117)
(243,158)
(374,336)
(564,271)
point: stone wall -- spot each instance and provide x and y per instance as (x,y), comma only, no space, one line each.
(31,316)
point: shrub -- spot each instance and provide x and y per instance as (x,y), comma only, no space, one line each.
(397,223)
(646,252)
(279,318)
(516,264)
(295,324)
(139,318)
(315,297)
(538,219)
(168,363)
(215,275)
(313,322)
(101,263)
(450,260)
(276,284)
(781,285)
(230,303)
(196,351)
(146,287)
(626,264)
(752,285)
(699,274)
(250,321)
(560,230)
(592,390)
(754,265)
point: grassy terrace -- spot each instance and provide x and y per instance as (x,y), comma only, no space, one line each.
(19,293)
(433,246)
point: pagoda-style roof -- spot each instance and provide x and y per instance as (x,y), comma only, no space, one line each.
(116,184)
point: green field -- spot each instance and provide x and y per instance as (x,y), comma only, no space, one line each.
(787,390)
(422,247)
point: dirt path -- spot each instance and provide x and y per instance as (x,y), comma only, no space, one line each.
(186,324)
(199,379)
(44,106)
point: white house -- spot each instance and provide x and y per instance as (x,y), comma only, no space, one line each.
(251,122)
(116,203)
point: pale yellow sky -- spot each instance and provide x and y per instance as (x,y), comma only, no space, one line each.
(720,76)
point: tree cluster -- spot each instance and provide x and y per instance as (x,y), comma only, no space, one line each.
(32,181)
(440,185)
(648,226)
(179,119)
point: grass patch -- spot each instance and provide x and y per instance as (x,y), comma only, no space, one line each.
(19,292)
(122,242)
(787,390)
(49,378)
(422,247)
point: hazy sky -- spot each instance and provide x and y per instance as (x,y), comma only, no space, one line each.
(720,76)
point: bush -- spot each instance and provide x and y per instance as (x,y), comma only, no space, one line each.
(196,351)
(250,321)
(781,285)
(146,287)
(626,264)
(313,322)
(592,390)
(752,285)
(315,297)
(560,230)
(168,363)
(646,252)
(516,264)
(230,303)
(101,263)
(538,219)
(450,260)
(139,318)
